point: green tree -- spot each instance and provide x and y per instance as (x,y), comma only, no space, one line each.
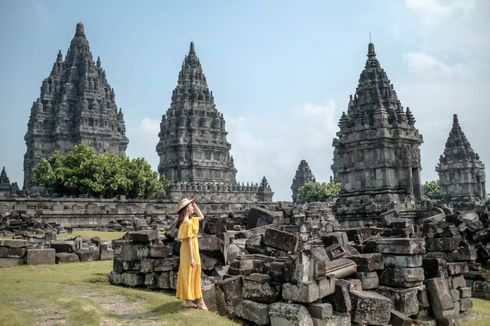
(83,172)
(318,191)
(432,189)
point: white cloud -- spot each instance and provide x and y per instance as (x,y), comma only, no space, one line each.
(422,63)
(143,139)
(274,146)
(432,12)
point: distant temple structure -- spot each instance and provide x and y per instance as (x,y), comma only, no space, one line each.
(461,172)
(193,150)
(7,189)
(377,155)
(302,176)
(77,105)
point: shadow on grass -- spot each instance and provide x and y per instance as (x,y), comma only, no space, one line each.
(169,308)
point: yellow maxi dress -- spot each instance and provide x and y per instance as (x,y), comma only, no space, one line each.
(189,278)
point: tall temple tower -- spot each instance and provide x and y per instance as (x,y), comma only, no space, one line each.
(193,145)
(193,150)
(461,172)
(302,176)
(77,105)
(377,155)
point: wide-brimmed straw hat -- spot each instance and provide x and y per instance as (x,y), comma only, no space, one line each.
(183,203)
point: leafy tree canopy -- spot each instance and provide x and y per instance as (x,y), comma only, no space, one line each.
(432,189)
(318,191)
(83,172)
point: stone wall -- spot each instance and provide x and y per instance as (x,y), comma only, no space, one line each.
(90,212)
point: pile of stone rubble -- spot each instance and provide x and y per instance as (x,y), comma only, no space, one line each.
(283,265)
(36,251)
(17,223)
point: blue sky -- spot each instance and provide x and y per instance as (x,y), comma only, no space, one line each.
(281,71)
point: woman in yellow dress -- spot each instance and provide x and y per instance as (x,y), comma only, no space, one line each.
(189,276)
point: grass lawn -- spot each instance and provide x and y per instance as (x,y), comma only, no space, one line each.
(80,294)
(104,235)
(481,309)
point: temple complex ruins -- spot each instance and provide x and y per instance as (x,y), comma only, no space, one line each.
(302,176)
(7,189)
(461,172)
(76,105)
(377,156)
(193,149)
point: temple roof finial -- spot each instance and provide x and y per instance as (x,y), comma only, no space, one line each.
(455,119)
(191,49)
(80,30)
(371,52)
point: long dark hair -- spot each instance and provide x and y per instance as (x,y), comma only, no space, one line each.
(181,217)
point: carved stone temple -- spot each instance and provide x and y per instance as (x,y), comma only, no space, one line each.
(302,176)
(193,149)
(461,172)
(6,188)
(377,155)
(77,105)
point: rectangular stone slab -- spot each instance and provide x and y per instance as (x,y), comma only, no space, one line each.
(368,262)
(401,277)
(40,256)
(340,268)
(439,296)
(401,246)
(370,308)
(281,240)
(402,260)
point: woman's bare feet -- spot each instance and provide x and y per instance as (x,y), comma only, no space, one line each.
(201,305)
(189,304)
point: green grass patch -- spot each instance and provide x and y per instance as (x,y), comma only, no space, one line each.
(80,294)
(104,235)
(481,313)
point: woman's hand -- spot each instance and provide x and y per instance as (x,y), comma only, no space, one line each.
(193,263)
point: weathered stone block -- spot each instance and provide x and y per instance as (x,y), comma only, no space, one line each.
(370,308)
(106,252)
(465,292)
(281,240)
(209,296)
(285,314)
(465,304)
(14,243)
(212,246)
(166,264)
(335,238)
(442,244)
(253,311)
(7,252)
(400,246)
(258,216)
(133,279)
(143,236)
(40,256)
(404,300)
(457,268)
(117,246)
(336,251)
(160,251)
(439,296)
(301,292)
(326,286)
(342,319)
(340,268)
(341,299)
(256,287)
(467,253)
(369,280)
(228,295)
(399,319)
(402,260)
(368,262)
(321,311)
(115,278)
(66,257)
(87,255)
(458,282)
(401,277)
(166,280)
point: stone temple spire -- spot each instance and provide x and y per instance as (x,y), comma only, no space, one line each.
(377,156)
(303,175)
(461,172)
(76,105)
(192,140)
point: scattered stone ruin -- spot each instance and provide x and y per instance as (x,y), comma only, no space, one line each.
(377,156)
(285,265)
(461,172)
(76,105)
(302,176)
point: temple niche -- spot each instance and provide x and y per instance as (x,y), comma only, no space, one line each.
(302,176)
(377,155)
(193,149)
(76,105)
(461,172)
